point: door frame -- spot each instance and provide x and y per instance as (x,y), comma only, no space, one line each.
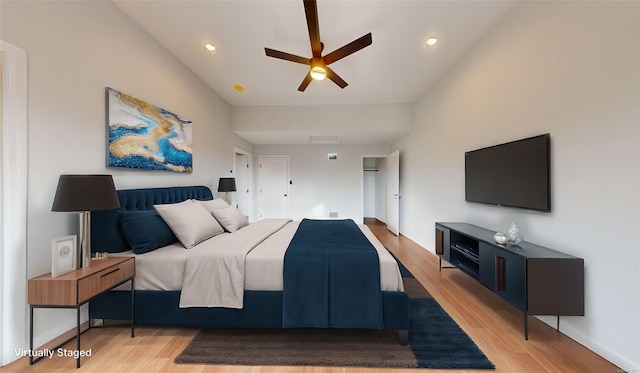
(237,151)
(396,226)
(13,198)
(362,157)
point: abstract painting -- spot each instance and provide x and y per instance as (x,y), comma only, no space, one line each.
(146,137)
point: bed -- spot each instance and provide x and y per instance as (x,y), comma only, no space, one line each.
(265,296)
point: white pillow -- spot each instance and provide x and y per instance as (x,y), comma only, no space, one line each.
(230,218)
(190,222)
(215,204)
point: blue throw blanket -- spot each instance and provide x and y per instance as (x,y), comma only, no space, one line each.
(331,278)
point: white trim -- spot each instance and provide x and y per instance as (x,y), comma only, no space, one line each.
(237,150)
(13,251)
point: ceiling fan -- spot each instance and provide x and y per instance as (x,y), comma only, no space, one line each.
(319,64)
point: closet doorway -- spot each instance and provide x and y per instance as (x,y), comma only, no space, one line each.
(381,189)
(374,182)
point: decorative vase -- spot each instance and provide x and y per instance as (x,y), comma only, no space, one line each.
(514,234)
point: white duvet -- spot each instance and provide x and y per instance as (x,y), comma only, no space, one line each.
(216,272)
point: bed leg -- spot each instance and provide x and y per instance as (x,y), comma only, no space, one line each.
(403,337)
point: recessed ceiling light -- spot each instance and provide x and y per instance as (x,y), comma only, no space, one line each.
(238,88)
(432,40)
(211,48)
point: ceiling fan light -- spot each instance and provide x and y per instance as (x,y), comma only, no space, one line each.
(318,72)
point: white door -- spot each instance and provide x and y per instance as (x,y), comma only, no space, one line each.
(393,192)
(273,179)
(242,196)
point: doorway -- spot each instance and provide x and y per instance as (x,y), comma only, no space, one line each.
(381,189)
(374,183)
(243,161)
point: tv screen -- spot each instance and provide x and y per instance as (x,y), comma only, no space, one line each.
(514,174)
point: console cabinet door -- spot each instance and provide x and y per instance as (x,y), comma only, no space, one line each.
(514,271)
(443,242)
(504,273)
(488,265)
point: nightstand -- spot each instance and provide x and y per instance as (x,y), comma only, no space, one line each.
(73,289)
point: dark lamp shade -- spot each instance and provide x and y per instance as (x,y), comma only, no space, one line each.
(85,193)
(227,184)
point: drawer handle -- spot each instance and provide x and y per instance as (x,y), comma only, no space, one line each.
(501,276)
(108,273)
(439,240)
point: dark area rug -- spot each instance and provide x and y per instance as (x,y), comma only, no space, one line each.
(435,341)
(295,347)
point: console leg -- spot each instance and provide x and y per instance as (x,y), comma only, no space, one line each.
(558,323)
(439,264)
(403,337)
(526,329)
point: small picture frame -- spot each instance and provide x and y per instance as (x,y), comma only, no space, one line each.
(332,156)
(63,255)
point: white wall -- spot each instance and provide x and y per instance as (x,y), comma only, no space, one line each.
(320,186)
(75,50)
(571,69)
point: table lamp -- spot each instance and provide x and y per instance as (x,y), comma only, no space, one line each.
(226,185)
(85,193)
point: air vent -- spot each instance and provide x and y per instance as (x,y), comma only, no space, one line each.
(333,139)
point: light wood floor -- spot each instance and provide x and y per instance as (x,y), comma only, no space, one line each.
(494,325)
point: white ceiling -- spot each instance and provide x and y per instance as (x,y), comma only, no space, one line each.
(396,68)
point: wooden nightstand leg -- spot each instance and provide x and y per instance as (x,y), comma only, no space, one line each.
(133,292)
(30,334)
(78,336)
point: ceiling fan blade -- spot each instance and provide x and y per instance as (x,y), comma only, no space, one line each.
(287,56)
(348,49)
(305,83)
(336,78)
(311,11)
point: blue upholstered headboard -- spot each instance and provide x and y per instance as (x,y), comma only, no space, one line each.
(106,235)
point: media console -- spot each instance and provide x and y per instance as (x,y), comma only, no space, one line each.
(534,279)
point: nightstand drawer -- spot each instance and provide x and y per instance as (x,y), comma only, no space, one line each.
(104,280)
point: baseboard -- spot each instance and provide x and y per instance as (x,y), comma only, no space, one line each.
(615,358)
(64,337)
(23,362)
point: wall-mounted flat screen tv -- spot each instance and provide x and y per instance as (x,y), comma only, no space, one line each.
(514,174)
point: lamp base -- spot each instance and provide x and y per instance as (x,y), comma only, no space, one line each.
(84,240)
